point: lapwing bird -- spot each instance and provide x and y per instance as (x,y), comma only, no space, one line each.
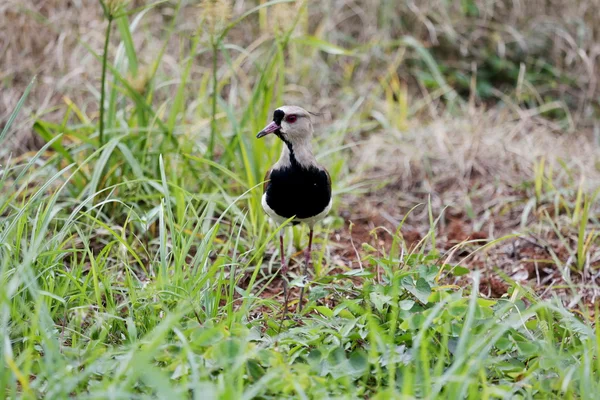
(296,186)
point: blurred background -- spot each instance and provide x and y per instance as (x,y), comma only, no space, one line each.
(462,138)
(536,55)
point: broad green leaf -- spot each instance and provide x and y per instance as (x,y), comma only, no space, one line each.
(325,311)
(379,300)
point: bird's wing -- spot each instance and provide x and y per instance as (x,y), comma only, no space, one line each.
(328,178)
(266,183)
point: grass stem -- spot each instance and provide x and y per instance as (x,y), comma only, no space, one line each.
(213,117)
(103,79)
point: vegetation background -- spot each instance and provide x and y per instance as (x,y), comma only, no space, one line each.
(462,255)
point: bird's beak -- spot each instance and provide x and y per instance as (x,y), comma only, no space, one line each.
(272,127)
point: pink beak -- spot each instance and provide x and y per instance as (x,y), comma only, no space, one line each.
(272,127)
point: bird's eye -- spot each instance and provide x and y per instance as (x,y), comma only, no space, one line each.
(291,118)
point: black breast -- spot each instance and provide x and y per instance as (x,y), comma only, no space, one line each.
(298,191)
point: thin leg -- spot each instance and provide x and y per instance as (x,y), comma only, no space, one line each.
(306,262)
(284,272)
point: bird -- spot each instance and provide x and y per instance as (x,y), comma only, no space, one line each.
(296,186)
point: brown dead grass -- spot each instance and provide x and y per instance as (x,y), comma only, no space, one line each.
(478,173)
(40,38)
(44,38)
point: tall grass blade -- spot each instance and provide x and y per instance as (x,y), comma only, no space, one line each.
(15,112)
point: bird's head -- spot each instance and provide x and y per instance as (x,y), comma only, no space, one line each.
(291,124)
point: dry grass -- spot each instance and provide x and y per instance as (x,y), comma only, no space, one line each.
(478,172)
(45,38)
(48,49)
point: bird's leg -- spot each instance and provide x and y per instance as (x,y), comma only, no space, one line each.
(306,262)
(284,273)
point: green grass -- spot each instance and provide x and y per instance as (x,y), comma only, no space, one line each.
(136,261)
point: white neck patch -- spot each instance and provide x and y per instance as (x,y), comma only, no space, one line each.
(302,153)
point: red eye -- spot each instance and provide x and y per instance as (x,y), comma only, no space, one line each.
(291,118)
